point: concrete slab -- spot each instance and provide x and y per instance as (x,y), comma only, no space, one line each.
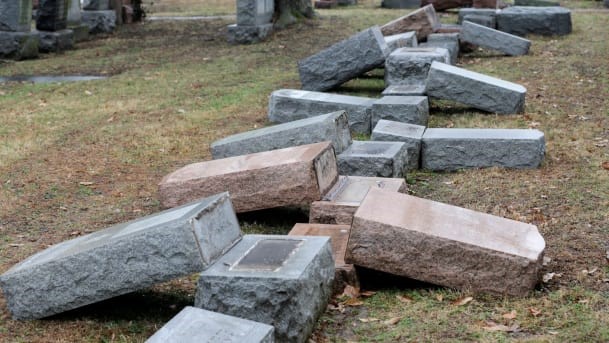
(494,39)
(368,158)
(424,21)
(410,66)
(410,134)
(404,109)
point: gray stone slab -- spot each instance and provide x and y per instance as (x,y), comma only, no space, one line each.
(99,21)
(195,325)
(452,47)
(370,158)
(121,259)
(55,41)
(547,21)
(404,90)
(487,12)
(19,45)
(488,21)
(401,3)
(409,134)
(405,109)
(474,89)
(254,12)
(74,15)
(326,127)
(493,39)
(284,281)
(291,104)
(15,15)
(410,66)
(402,40)
(539,3)
(52,15)
(238,34)
(343,61)
(452,149)
(96,5)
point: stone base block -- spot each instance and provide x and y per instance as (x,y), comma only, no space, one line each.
(195,325)
(445,245)
(410,66)
(411,135)
(81,33)
(401,3)
(19,45)
(404,90)
(485,12)
(238,34)
(284,281)
(494,39)
(369,158)
(99,21)
(402,40)
(547,21)
(423,21)
(56,41)
(404,109)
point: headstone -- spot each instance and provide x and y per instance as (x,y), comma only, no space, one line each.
(254,12)
(340,203)
(484,20)
(423,21)
(345,274)
(404,90)
(326,127)
(96,5)
(401,3)
(410,134)
(474,89)
(494,39)
(284,281)
(15,16)
(445,245)
(547,21)
(74,17)
(442,5)
(487,12)
(99,21)
(448,28)
(121,259)
(195,325)
(452,149)
(494,4)
(19,45)
(449,41)
(538,3)
(291,176)
(606,3)
(369,158)
(343,61)
(287,105)
(410,66)
(237,34)
(401,40)
(405,109)
(54,41)
(52,15)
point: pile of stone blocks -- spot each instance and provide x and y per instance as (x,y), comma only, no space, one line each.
(52,26)
(98,16)
(254,22)
(16,39)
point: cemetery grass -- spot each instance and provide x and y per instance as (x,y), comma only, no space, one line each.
(79,157)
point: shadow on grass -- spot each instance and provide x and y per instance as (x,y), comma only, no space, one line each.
(274,221)
(374,280)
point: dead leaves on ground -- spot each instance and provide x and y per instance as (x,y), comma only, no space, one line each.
(462,301)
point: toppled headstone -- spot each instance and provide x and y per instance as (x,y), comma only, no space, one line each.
(341,202)
(291,176)
(326,127)
(284,281)
(254,22)
(539,3)
(401,40)
(369,158)
(547,21)
(53,41)
(405,109)
(195,325)
(345,274)
(442,5)
(483,20)
(445,245)
(449,41)
(484,12)
(474,89)
(404,90)
(493,39)
(287,105)
(99,21)
(401,3)
(410,66)
(410,134)
(343,61)
(121,259)
(96,5)
(452,149)
(52,15)
(423,21)
(15,16)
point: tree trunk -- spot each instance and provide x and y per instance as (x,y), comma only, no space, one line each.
(290,11)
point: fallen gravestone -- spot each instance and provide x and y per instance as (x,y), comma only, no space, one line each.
(423,21)
(284,281)
(326,127)
(474,89)
(254,22)
(539,3)
(442,5)
(195,325)
(404,90)
(343,61)
(493,39)
(452,149)
(483,20)
(483,12)
(410,66)
(451,43)
(401,40)
(445,245)
(16,39)
(286,105)
(401,3)
(341,202)
(410,134)
(547,21)
(451,47)
(448,28)
(121,259)
(405,109)
(291,176)
(369,158)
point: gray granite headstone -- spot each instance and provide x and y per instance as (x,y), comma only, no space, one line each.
(405,109)
(484,20)
(52,15)
(19,45)
(74,16)
(96,5)
(486,12)
(409,134)
(99,21)
(15,15)
(409,66)
(371,158)
(547,21)
(402,40)
(254,12)
(494,39)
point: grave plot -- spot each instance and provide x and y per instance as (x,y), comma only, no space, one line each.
(121,259)
(16,39)
(423,21)
(284,281)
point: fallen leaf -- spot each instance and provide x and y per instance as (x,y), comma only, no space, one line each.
(353,302)
(74,233)
(404,298)
(462,301)
(85,183)
(510,315)
(368,320)
(392,321)
(88,93)
(351,292)
(494,327)
(535,312)
(439,297)
(367,294)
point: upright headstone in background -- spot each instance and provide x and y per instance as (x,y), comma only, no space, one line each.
(16,39)
(98,16)
(424,21)
(81,31)
(52,24)
(254,21)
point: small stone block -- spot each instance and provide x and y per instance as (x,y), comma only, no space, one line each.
(493,39)
(238,34)
(452,149)
(287,105)
(195,325)
(410,134)
(55,41)
(343,61)
(405,109)
(423,21)
(546,21)
(121,259)
(254,12)
(290,176)
(483,20)
(19,45)
(15,16)
(341,202)
(99,21)
(284,281)
(474,89)
(486,12)
(404,90)
(401,3)
(402,40)
(332,127)
(445,245)
(410,66)
(369,158)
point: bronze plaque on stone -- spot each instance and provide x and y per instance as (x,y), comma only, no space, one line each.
(268,255)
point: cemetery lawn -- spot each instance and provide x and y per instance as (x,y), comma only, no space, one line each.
(79,157)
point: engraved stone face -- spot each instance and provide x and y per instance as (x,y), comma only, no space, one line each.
(268,255)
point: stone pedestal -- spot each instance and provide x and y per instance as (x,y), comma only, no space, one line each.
(253,22)
(404,109)
(19,45)
(56,41)
(370,158)
(410,66)
(411,135)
